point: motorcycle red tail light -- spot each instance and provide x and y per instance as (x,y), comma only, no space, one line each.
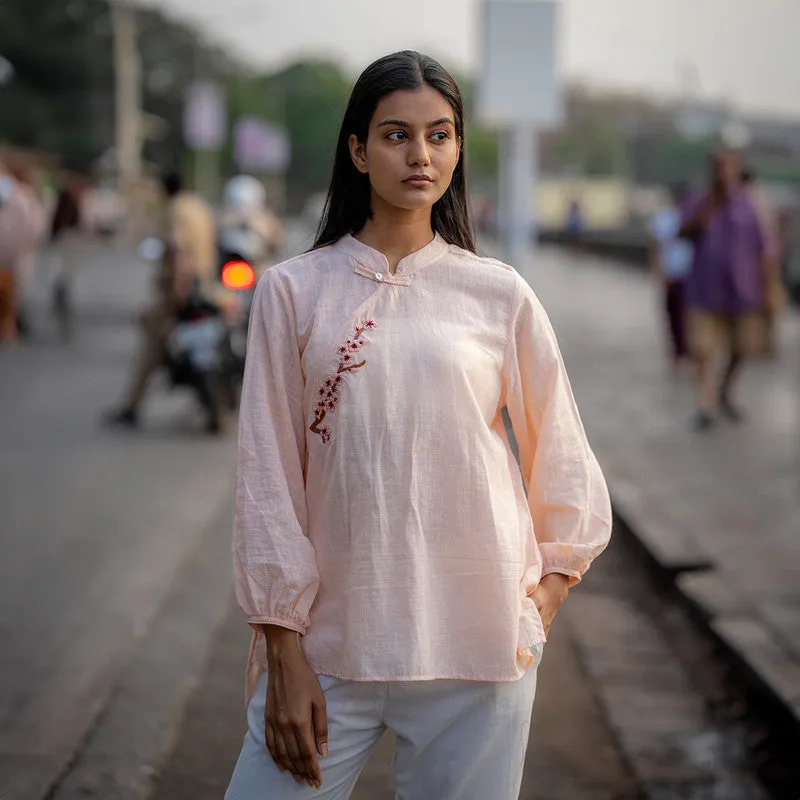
(238,275)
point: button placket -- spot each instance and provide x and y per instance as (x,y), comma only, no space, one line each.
(382,277)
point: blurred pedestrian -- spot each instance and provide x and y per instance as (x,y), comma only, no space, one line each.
(776,298)
(397,569)
(36,221)
(67,251)
(190,260)
(248,227)
(732,265)
(672,262)
(575,223)
(13,241)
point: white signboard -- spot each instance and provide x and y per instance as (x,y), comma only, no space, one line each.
(519,83)
(205,116)
(260,146)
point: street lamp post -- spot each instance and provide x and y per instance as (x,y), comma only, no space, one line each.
(128,101)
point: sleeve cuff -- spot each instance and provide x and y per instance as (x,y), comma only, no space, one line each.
(573,575)
(256,622)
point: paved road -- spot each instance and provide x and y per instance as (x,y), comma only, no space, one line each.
(95,525)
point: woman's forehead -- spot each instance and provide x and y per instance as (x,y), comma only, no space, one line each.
(416,107)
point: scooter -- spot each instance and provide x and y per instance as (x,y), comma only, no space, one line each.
(203,349)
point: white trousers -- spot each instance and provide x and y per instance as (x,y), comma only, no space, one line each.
(456,740)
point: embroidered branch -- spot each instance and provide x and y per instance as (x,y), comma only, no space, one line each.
(330,390)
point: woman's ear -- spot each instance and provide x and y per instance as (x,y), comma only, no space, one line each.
(358,152)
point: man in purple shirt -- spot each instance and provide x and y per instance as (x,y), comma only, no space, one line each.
(725,289)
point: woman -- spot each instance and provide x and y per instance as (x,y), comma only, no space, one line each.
(14,237)
(67,240)
(386,554)
(36,219)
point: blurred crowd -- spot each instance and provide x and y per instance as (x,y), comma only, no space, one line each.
(33,218)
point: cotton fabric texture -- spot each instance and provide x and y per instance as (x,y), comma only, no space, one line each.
(379,508)
(460,740)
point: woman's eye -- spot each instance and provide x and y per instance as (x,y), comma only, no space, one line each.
(396,136)
(440,136)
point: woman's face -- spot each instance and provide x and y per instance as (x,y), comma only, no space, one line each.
(411,150)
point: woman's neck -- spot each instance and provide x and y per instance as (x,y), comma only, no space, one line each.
(398,234)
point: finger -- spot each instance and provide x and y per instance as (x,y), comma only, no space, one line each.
(283,753)
(295,755)
(319,719)
(269,735)
(305,741)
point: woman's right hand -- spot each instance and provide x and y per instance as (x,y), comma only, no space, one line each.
(295,718)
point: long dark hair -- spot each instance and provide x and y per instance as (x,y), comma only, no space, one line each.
(348,207)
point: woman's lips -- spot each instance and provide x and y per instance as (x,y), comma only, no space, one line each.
(418,182)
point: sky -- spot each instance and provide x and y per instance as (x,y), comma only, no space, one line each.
(746,52)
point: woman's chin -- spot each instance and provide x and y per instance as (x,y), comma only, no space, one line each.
(418,202)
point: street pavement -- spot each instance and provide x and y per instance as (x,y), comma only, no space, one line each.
(96,525)
(719,510)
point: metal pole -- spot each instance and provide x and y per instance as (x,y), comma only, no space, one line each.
(521,165)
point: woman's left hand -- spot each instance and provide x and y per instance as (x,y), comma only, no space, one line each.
(549,596)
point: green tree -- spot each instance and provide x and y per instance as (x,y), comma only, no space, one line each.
(61,54)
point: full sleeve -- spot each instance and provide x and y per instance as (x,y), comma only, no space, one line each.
(274,562)
(567,493)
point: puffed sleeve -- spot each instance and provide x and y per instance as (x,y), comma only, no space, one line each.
(567,493)
(274,562)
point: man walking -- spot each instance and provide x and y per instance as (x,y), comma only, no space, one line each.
(726,286)
(672,261)
(191,254)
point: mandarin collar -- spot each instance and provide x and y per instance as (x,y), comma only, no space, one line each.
(375,261)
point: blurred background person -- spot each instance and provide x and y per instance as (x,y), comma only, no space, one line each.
(248,227)
(189,262)
(66,240)
(13,243)
(775,295)
(731,267)
(575,223)
(671,259)
(36,219)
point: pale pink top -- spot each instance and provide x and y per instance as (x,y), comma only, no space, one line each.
(379,507)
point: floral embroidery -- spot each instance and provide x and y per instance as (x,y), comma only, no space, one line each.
(330,389)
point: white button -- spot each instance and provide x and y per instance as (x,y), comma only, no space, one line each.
(379,276)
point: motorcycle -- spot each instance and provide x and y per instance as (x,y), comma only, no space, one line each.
(207,342)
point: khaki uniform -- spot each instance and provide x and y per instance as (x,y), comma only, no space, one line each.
(191,239)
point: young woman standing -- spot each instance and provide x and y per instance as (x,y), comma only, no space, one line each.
(399,569)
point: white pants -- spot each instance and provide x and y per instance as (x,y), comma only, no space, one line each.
(456,740)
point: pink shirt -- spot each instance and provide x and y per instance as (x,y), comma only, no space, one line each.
(379,507)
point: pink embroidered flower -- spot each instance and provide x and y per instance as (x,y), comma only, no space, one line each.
(330,391)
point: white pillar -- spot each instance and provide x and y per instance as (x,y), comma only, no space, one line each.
(520,161)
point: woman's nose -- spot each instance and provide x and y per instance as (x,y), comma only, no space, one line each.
(418,153)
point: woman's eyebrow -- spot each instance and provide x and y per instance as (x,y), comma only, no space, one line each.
(399,123)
